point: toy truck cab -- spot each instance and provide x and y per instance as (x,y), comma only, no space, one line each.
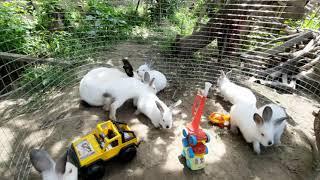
(108,140)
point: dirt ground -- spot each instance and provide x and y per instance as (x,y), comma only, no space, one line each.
(158,157)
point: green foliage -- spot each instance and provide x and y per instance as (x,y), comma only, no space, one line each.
(13,27)
(312,21)
(163,8)
(44,77)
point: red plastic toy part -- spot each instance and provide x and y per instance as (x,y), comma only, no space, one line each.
(197,110)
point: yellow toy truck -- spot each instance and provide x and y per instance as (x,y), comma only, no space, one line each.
(110,139)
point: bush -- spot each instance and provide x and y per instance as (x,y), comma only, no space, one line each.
(163,8)
(44,77)
(13,27)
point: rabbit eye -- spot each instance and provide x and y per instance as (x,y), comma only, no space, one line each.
(262,134)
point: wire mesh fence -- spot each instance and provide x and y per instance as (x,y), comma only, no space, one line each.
(47,46)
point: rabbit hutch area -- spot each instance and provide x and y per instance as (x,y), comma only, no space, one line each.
(88,84)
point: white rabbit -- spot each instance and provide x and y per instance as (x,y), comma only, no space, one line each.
(232,92)
(123,89)
(50,170)
(278,120)
(160,79)
(91,84)
(156,110)
(254,128)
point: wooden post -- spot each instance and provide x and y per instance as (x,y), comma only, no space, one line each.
(317,130)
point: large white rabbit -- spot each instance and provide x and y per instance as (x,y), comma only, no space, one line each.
(92,84)
(118,91)
(51,170)
(232,92)
(254,128)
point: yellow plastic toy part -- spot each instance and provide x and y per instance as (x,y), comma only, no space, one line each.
(103,143)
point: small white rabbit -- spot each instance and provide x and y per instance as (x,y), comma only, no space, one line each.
(91,85)
(50,170)
(254,128)
(156,110)
(232,92)
(160,79)
(123,89)
(278,120)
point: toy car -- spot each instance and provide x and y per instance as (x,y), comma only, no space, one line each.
(110,139)
(194,137)
(221,120)
(194,150)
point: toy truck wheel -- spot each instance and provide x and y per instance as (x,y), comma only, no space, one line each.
(183,153)
(208,137)
(188,163)
(185,142)
(184,132)
(207,150)
(95,171)
(190,152)
(193,140)
(127,154)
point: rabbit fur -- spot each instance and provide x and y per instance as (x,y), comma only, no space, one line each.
(51,170)
(278,121)
(118,91)
(156,110)
(255,128)
(232,92)
(160,79)
(91,85)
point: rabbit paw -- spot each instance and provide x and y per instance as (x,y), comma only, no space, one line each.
(256,147)
(234,129)
(106,107)
(277,143)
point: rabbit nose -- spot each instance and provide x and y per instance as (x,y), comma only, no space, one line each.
(269,143)
(167,127)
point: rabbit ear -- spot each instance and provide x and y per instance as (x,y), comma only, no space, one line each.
(222,73)
(267,113)
(175,104)
(61,163)
(41,160)
(146,77)
(228,73)
(258,119)
(279,121)
(149,63)
(160,107)
(127,67)
(151,82)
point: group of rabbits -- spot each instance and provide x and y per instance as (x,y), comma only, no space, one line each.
(110,88)
(258,126)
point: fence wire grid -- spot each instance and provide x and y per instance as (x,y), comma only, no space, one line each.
(47,46)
